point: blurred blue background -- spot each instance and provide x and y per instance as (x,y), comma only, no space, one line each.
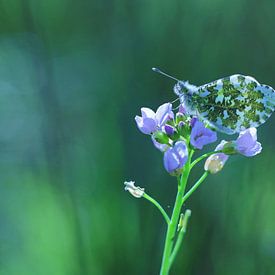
(73,74)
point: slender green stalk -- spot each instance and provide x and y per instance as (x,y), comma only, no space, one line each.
(169,253)
(172,227)
(182,230)
(203,157)
(164,214)
(194,187)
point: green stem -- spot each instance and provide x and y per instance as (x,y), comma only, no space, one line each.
(162,211)
(203,157)
(181,234)
(194,187)
(172,226)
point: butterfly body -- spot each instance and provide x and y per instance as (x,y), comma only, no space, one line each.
(229,104)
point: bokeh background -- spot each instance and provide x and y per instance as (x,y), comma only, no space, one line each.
(73,74)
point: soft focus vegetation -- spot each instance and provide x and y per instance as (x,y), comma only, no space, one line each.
(73,74)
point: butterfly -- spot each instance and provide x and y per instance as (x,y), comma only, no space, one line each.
(230,104)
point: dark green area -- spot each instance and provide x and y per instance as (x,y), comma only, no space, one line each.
(73,74)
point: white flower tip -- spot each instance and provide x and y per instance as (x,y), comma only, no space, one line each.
(214,164)
(136,191)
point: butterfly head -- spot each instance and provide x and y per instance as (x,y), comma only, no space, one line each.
(184,88)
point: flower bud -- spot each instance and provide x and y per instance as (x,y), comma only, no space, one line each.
(229,148)
(160,146)
(175,157)
(215,163)
(161,137)
(169,130)
(179,117)
(184,129)
(181,124)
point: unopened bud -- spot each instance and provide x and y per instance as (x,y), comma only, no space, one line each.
(179,117)
(169,130)
(215,163)
(161,137)
(229,148)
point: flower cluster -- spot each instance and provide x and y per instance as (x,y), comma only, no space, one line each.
(173,134)
(176,134)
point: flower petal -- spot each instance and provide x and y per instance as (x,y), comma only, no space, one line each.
(247,137)
(146,125)
(200,135)
(252,151)
(171,160)
(175,157)
(159,146)
(147,113)
(164,113)
(182,152)
(246,143)
(193,121)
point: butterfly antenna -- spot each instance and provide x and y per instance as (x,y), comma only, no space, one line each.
(177,99)
(163,73)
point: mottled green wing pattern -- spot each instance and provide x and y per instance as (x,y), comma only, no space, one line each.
(234,103)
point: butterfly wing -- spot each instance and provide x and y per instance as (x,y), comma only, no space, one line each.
(235,103)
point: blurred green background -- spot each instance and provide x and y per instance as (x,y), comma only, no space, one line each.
(73,74)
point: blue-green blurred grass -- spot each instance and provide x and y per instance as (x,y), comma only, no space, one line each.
(72,78)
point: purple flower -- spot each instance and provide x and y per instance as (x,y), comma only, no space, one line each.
(246,144)
(175,157)
(215,162)
(200,135)
(150,121)
(164,113)
(147,123)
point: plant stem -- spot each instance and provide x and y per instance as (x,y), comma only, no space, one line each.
(194,187)
(164,214)
(172,226)
(180,236)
